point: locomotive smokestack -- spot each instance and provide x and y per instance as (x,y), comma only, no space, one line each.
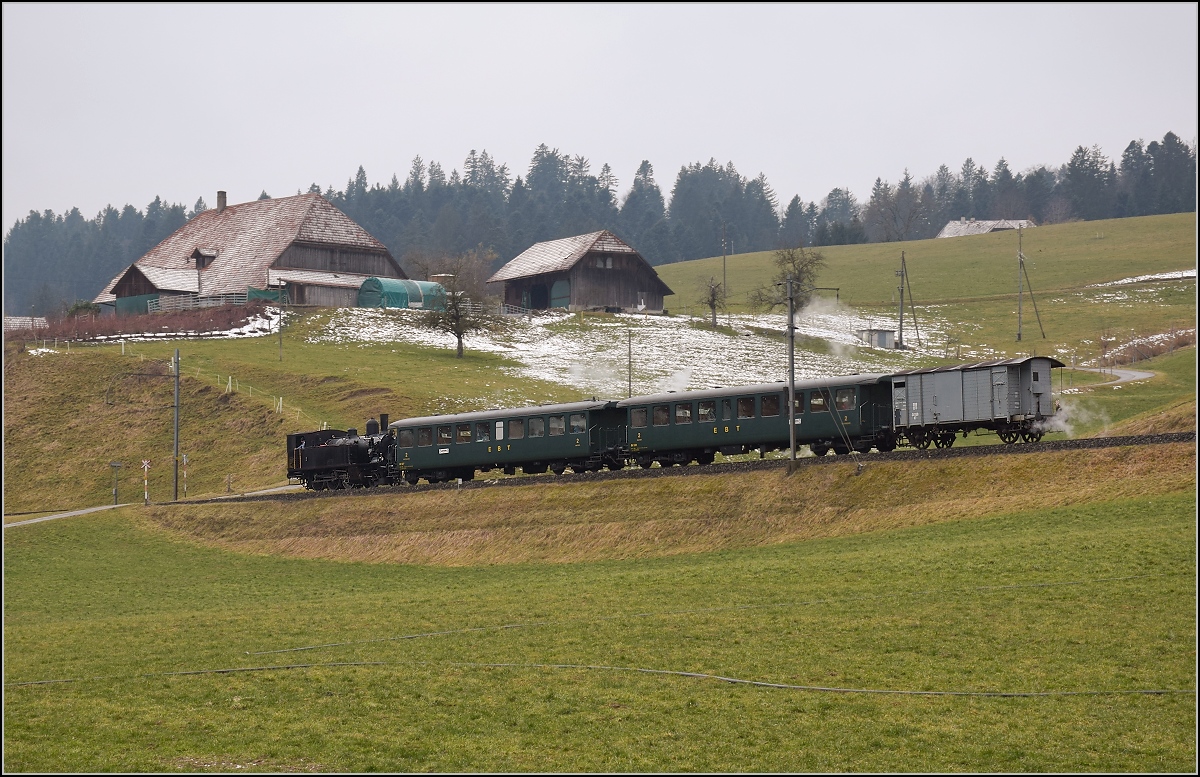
(220,201)
(383,419)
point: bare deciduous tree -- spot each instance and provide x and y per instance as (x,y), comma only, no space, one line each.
(712,296)
(467,306)
(798,263)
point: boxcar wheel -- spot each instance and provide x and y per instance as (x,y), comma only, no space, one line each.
(1008,436)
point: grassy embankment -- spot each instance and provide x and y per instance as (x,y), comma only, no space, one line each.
(1087,584)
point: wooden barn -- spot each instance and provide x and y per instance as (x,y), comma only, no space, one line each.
(596,271)
(299,248)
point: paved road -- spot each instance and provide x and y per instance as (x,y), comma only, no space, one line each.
(87,510)
(1119,376)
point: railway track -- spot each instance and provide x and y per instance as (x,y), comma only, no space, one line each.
(1045,446)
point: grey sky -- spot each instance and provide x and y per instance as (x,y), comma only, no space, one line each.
(119,103)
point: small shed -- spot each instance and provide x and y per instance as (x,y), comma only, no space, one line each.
(878,338)
(596,271)
(401,293)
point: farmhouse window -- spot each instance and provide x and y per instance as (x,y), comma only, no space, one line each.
(558,426)
(483,432)
(770,405)
(637,418)
(662,415)
(683,413)
(406,438)
(464,433)
(516,429)
(745,407)
(537,427)
(425,437)
(707,411)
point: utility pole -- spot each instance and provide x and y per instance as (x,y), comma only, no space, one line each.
(1020,288)
(176,495)
(900,334)
(116,466)
(791,378)
(630,394)
(724,275)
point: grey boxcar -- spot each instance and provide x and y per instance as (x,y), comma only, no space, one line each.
(1011,397)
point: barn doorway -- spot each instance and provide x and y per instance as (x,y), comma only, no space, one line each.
(539,297)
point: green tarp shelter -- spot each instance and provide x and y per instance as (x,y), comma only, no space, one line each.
(401,293)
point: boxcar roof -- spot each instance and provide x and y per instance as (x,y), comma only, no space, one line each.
(486,415)
(756,388)
(980,365)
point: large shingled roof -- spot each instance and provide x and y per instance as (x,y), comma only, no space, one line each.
(244,240)
(560,255)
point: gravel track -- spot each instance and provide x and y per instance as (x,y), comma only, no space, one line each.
(1044,446)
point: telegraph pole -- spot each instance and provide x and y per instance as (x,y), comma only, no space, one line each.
(791,378)
(1020,288)
(724,276)
(176,496)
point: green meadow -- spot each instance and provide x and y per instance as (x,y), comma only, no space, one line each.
(1032,613)
(535,667)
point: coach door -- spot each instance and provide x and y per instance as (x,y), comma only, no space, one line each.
(899,403)
(999,392)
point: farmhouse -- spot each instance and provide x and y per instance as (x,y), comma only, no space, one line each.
(965,226)
(596,271)
(299,249)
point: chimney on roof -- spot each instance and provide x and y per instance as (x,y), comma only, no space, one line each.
(220,202)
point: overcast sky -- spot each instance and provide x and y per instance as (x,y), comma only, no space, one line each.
(120,103)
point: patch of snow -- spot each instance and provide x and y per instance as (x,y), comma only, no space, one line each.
(1162,276)
(668,352)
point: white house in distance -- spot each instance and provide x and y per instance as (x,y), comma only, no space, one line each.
(965,226)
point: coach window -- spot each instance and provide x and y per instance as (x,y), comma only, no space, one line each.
(557,426)
(425,437)
(662,415)
(770,405)
(683,413)
(483,432)
(516,429)
(726,409)
(745,407)
(707,411)
(578,423)
(845,399)
(637,418)
(464,433)
(817,404)
(444,436)
(537,427)
(406,438)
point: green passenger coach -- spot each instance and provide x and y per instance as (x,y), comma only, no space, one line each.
(584,436)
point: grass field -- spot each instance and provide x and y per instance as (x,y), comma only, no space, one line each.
(974,280)
(1091,597)
(505,629)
